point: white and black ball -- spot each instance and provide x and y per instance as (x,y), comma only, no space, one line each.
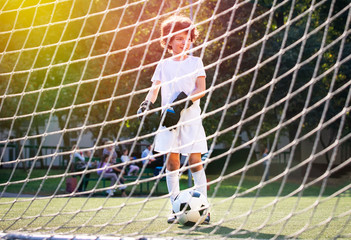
(190,207)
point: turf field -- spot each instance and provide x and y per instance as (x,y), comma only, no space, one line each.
(236,211)
(258,218)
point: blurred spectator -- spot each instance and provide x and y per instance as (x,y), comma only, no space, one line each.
(147,156)
(79,164)
(151,161)
(266,164)
(133,169)
(110,150)
(110,172)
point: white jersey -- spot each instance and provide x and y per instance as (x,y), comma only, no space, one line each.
(177,77)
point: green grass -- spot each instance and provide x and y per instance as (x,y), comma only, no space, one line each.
(36,184)
(46,183)
(232,215)
(257,218)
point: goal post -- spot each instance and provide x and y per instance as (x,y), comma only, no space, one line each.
(276,115)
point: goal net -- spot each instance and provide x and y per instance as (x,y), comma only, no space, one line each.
(276,114)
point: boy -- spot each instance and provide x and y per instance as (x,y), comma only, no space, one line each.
(182,78)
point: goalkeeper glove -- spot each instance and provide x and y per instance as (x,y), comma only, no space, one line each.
(144,106)
(173,114)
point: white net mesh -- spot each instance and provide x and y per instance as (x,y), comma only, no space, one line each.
(72,76)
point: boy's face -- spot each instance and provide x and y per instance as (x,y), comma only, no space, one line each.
(180,42)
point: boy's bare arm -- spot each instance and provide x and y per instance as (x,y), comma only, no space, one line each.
(200,87)
(152,94)
(150,99)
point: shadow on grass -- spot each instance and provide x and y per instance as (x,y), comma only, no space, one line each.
(226,232)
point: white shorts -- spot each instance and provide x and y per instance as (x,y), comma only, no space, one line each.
(185,139)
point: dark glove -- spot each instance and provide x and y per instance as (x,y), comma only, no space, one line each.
(173,114)
(144,106)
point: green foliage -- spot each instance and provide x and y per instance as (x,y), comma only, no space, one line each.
(75,59)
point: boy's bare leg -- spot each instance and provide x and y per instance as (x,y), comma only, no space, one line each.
(173,162)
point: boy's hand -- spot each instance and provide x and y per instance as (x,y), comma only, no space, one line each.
(173,114)
(144,106)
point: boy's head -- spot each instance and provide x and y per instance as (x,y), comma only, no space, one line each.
(175,24)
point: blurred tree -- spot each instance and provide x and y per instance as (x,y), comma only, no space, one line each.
(83,62)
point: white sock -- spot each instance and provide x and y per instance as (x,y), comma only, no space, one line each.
(200,181)
(172,179)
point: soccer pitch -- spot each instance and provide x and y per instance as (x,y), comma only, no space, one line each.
(267,86)
(257,218)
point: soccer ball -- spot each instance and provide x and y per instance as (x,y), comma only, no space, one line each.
(190,207)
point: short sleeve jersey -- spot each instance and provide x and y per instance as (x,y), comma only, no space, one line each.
(177,77)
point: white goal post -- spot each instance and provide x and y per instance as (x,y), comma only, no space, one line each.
(277,116)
